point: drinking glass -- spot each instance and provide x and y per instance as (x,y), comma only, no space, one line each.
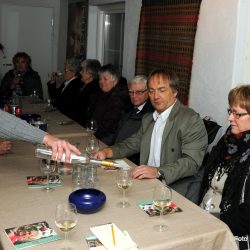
(161,200)
(124,181)
(66,219)
(47,167)
(91,126)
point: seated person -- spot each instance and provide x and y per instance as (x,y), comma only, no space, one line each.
(107,105)
(65,97)
(132,116)
(172,140)
(22,80)
(90,78)
(225,190)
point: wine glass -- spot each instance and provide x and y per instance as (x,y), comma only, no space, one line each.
(161,200)
(47,167)
(91,126)
(92,146)
(124,181)
(66,219)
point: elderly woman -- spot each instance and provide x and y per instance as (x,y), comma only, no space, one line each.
(226,184)
(107,105)
(90,78)
(22,80)
(66,95)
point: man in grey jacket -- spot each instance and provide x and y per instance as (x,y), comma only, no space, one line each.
(171,141)
(13,128)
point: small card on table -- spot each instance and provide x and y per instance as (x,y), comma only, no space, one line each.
(93,243)
(41,181)
(149,208)
(31,235)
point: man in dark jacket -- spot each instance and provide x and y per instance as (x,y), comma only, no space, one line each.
(131,118)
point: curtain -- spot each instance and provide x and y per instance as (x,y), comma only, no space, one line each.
(166,39)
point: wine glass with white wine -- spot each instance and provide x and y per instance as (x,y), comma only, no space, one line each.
(162,200)
(66,219)
(124,181)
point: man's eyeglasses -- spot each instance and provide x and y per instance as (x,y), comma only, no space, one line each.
(236,114)
(138,92)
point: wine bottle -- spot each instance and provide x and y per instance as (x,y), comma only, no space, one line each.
(46,153)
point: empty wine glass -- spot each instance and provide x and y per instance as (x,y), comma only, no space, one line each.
(91,126)
(124,181)
(161,200)
(66,219)
(47,167)
(92,146)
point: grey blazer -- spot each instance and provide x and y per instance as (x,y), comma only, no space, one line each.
(183,145)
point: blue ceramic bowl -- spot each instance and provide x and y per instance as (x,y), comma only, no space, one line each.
(30,117)
(87,200)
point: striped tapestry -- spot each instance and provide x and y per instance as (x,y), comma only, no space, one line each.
(166,39)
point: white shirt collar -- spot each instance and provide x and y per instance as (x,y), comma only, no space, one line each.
(141,106)
(163,115)
(66,83)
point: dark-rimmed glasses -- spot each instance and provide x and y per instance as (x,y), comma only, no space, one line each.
(236,114)
(137,92)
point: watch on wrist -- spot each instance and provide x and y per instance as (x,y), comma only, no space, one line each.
(161,175)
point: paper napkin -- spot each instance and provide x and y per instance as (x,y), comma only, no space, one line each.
(122,239)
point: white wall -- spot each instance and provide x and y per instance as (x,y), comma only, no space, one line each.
(221,55)
(60,26)
(132,16)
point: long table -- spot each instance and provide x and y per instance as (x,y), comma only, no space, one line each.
(192,228)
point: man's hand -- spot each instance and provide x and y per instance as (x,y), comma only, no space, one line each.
(145,172)
(59,147)
(103,154)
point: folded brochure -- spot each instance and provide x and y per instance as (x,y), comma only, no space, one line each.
(31,234)
(41,181)
(112,237)
(149,208)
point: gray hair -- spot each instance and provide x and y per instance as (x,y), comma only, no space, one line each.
(112,70)
(73,64)
(92,66)
(139,79)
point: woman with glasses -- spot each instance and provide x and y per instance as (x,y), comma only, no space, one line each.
(225,189)
(65,97)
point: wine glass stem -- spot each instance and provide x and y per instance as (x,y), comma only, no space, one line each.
(66,240)
(123,196)
(66,236)
(161,217)
(48,185)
